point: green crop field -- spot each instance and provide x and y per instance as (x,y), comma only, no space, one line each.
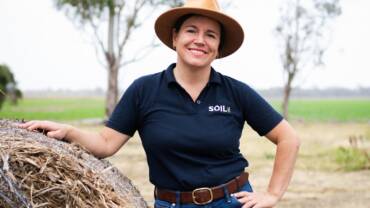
(328,109)
(67,109)
(61,109)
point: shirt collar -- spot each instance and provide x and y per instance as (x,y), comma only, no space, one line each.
(170,78)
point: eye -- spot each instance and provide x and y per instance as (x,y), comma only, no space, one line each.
(190,30)
(211,35)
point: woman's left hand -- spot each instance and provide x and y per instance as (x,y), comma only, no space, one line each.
(256,200)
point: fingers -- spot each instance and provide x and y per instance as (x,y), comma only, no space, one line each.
(24,125)
(38,125)
(242,195)
(41,126)
(55,134)
(250,204)
(245,198)
(30,125)
(256,200)
(48,128)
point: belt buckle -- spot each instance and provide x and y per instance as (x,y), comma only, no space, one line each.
(202,189)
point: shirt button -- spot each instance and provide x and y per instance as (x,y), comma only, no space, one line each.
(199,102)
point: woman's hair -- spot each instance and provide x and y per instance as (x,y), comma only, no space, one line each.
(180,21)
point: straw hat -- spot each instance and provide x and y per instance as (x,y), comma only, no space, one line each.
(233,34)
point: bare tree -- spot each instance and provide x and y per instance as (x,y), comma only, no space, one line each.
(112,23)
(303,35)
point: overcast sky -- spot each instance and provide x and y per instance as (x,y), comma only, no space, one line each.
(45,50)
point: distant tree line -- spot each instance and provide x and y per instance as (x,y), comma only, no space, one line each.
(271,93)
(332,92)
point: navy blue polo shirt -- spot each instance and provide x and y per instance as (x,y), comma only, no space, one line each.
(191,144)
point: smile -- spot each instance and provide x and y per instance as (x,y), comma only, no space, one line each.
(197,51)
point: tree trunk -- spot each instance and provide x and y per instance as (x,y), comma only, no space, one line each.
(113,67)
(112,92)
(287,91)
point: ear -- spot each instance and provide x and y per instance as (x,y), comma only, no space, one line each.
(174,38)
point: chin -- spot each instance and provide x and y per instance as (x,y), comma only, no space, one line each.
(198,63)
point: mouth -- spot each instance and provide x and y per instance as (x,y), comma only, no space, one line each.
(197,51)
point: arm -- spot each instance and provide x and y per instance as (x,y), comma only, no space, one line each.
(287,142)
(103,144)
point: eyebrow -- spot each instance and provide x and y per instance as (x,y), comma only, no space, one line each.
(208,30)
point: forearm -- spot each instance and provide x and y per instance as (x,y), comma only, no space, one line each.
(286,154)
(94,142)
(102,144)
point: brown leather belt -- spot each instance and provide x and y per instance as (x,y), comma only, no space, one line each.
(205,195)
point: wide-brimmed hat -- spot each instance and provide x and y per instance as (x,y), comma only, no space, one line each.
(233,34)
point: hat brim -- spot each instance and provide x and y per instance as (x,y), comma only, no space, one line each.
(233,34)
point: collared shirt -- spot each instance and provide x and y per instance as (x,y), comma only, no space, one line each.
(191,144)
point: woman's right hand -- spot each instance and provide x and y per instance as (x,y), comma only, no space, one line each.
(53,129)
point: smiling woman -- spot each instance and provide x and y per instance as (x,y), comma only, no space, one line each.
(190,118)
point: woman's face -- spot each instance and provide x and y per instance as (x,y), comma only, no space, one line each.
(197,41)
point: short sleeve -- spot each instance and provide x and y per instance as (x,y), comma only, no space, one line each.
(125,116)
(258,113)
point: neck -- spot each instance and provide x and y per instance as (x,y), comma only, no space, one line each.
(192,76)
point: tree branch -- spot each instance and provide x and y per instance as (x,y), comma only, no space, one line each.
(139,55)
(130,25)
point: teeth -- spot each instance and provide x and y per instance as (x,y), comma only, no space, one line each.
(197,52)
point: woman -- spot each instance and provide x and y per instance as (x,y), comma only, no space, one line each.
(190,119)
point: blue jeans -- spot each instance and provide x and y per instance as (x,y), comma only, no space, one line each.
(226,202)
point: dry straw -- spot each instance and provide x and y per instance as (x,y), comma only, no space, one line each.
(36,171)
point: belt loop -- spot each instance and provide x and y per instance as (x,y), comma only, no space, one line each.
(178,198)
(227,194)
(237,179)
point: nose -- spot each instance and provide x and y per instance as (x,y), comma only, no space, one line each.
(199,39)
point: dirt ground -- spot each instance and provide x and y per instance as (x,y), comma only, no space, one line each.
(317,180)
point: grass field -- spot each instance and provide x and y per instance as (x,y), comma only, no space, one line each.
(67,109)
(329,109)
(60,109)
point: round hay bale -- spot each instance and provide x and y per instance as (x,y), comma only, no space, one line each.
(36,171)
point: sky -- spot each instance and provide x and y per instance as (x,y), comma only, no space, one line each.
(45,49)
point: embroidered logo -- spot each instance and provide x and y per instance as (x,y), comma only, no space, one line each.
(219,108)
